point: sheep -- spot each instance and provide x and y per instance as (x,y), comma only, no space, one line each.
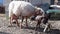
(22,9)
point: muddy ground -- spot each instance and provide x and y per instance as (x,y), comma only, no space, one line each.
(4,29)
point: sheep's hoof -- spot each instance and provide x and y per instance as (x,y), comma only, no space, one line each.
(20,26)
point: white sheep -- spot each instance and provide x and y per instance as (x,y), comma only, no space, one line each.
(22,9)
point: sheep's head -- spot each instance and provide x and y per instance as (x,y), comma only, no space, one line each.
(14,21)
(14,18)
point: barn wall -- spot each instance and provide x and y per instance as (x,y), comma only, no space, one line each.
(6,3)
(34,2)
(46,1)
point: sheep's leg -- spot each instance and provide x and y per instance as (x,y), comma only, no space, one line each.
(26,22)
(17,23)
(21,21)
(10,21)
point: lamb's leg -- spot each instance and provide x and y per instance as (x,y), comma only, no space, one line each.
(40,21)
(26,22)
(38,24)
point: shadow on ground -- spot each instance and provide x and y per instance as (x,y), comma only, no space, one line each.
(52,31)
(4,33)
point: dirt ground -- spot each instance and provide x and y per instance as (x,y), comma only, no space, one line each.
(4,29)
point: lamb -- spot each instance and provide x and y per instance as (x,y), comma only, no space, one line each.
(22,9)
(42,18)
(38,18)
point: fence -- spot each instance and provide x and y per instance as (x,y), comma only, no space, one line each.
(2,9)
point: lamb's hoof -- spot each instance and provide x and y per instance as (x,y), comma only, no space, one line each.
(27,26)
(18,25)
(46,27)
(35,29)
(21,26)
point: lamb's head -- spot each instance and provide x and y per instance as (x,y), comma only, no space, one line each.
(38,11)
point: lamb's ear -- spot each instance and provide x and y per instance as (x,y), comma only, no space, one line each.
(35,9)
